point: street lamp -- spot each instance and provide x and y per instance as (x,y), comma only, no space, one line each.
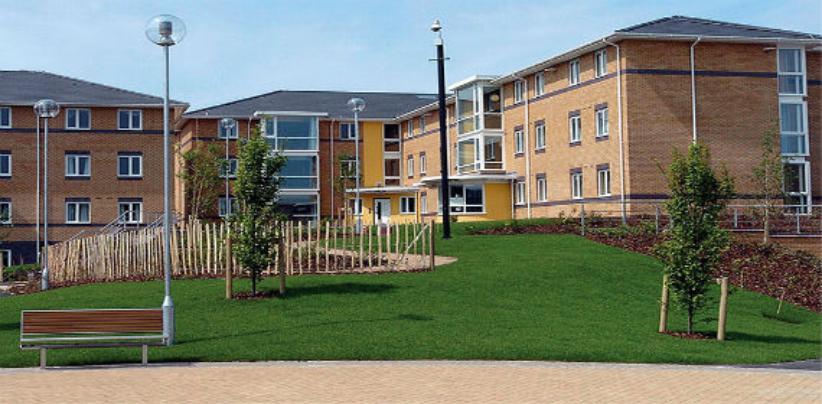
(357,105)
(445,188)
(45,109)
(166,31)
(228,125)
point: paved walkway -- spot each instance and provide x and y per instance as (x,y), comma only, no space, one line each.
(423,381)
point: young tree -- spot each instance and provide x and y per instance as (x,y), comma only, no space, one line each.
(201,178)
(768,177)
(255,191)
(695,241)
(345,180)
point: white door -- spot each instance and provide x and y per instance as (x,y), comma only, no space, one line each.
(382,211)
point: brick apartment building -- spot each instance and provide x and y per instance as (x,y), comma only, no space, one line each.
(105,158)
(592,125)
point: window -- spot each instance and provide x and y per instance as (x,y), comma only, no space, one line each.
(575,128)
(291,132)
(519,141)
(519,192)
(299,172)
(5,117)
(542,189)
(424,202)
(129,165)
(5,164)
(540,136)
(573,72)
(519,91)
(78,165)
(602,122)
(392,171)
(228,168)
(130,119)
(409,166)
(478,107)
(468,198)
(347,131)
(130,212)
(298,206)
(601,63)
(5,256)
(78,119)
(791,71)
(797,183)
(5,212)
(539,84)
(792,125)
(409,128)
(408,205)
(391,138)
(604,181)
(423,163)
(225,133)
(355,206)
(422,123)
(226,206)
(576,185)
(348,168)
(78,212)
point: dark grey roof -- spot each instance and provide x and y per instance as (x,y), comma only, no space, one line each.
(378,105)
(681,25)
(23,87)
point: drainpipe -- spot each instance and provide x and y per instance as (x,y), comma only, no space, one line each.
(693,89)
(331,172)
(527,147)
(623,210)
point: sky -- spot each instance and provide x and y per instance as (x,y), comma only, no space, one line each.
(237,49)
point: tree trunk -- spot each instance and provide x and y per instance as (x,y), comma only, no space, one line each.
(254,283)
(766,232)
(281,263)
(690,320)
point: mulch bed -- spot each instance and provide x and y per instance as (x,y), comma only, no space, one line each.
(772,270)
(685,335)
(259,296)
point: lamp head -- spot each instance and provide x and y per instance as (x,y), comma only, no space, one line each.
(436,26)
(228,123)
(165,30)
(46,108)
(356,104)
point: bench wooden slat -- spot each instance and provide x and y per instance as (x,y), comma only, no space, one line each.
(92,321)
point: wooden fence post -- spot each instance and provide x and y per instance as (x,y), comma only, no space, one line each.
(723,307)
(663,305)
(229,287)
(582,219)
(432,237)
(281,263)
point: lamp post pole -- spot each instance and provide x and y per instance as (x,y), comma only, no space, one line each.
(37,192)
(45,109)
(166,31)
(357,105)
(445,186)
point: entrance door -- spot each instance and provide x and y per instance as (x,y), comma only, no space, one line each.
(382,211)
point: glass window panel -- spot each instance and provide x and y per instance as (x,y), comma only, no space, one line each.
(298,205)
(5,164)
(790,61)
(392,167)
(5,117)
(392,146)
(84,118)
(300,166)
(392,131)
(135,119)
(493,152)
(790,84)
(473,194)
(71,116)
(465,102)
(136,165)
(467,153)
(122,117)
(791,117)
(288,126)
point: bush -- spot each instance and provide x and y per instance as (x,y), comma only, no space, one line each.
(20,272)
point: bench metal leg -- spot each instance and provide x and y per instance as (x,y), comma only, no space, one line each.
(42,358)
(145,355)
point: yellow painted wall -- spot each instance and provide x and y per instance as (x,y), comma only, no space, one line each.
(372,158)
(396,217)
(497,204)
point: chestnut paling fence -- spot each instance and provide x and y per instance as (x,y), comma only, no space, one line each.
(199,249)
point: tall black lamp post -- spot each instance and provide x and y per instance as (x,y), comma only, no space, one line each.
(444,188)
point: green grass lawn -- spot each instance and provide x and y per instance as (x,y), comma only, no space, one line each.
(534,297)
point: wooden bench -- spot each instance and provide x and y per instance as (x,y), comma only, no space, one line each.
(93,328)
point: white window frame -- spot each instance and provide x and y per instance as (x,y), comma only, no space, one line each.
(230,174)
(539,84)
(232,133)
(313,137)
(10,124)
(576,185)
(409,166)
(8,174)
(407,202)
(601,63)
(423,161)
(347,131)
(355,206)
(542,189)
(539,135)
(519,192)
(519,91)
(604,181)
(422,124)
(128,216)
(76,125)
(409,127)
(352,163)
(573,72)
(575,128)
(455,206)
(130,174)
(802,78)
(601,119)
(224,210)
(8,206)
(806,193)
(78,157)
(803,133)
(424,203)
(130,119)
(77,206)
(519,141)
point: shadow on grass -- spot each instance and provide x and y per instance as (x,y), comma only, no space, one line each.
(9,326)
(348,288)
(769,339)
